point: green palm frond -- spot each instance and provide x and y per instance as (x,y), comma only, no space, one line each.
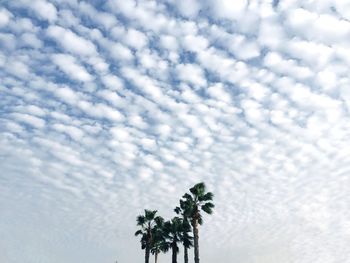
(141,220)
(138,232)
(159,221)
(188,197)
(188,242)
(177,210)
(206,197)
(186,225)
(200,219)
(164,247)
(198,189)
(208,208)
(150,214)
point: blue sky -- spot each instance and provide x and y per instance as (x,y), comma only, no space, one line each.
(110,107)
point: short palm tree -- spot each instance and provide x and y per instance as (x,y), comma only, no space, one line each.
(147,222)
(159,243)
(173,230)
(195,202)
(187,239)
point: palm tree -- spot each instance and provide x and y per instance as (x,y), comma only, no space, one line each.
(147,223)
(187,240)
(173,230)
(194,202)
(159,243)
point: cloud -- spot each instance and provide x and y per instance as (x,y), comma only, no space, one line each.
(45,10)
(135,39)
(29,119)
(5,17)
(69,65)
(225,9)
(70,41)
(31,40)
(188,8)
(74,132)
(7,41)
(325,28)
(192,74)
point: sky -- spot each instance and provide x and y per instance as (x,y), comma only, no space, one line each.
(110,107)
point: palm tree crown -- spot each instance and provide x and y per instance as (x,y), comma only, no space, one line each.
(159,243)
(198,200)
(174,234)
(147,222)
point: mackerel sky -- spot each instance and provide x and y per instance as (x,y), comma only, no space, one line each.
(110,107)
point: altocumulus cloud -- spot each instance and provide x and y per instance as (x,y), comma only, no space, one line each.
(108,107)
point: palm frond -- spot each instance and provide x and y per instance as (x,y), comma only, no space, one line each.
(141,220)
(188,242)
(198,189)
(159,221)
(206,197)
(208,207)
(177,210)
(138,232)
(188,197)
(200,219)
(150,214)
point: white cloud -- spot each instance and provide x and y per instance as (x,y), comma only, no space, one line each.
(31,40)
(192,74)
(195,43)
(225,9)
(106,19)
(74,132)
(45,10)
(101,111)
(5,17)
(188,8)
(112,82)
(135,39)
(271,34)
(29,119)
(280,65)
(325,28)
(7,41)
(169,42)
(218,92)
(120,53)
(17,69)
(69,65)
(67,95)
(71,41)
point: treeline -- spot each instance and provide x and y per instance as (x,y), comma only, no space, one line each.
(160,236)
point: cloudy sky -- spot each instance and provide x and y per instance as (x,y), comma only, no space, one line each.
(109,107)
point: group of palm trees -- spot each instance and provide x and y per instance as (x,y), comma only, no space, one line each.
(160,236)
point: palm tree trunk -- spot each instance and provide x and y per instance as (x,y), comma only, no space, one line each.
(185,254)
(155,257)
(147,252)
(195,240)
(148,244)
(174,255)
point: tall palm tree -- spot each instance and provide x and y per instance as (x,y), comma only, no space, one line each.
(196,201)
(187,239)
(147,223)
(173,230)
(159,243)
